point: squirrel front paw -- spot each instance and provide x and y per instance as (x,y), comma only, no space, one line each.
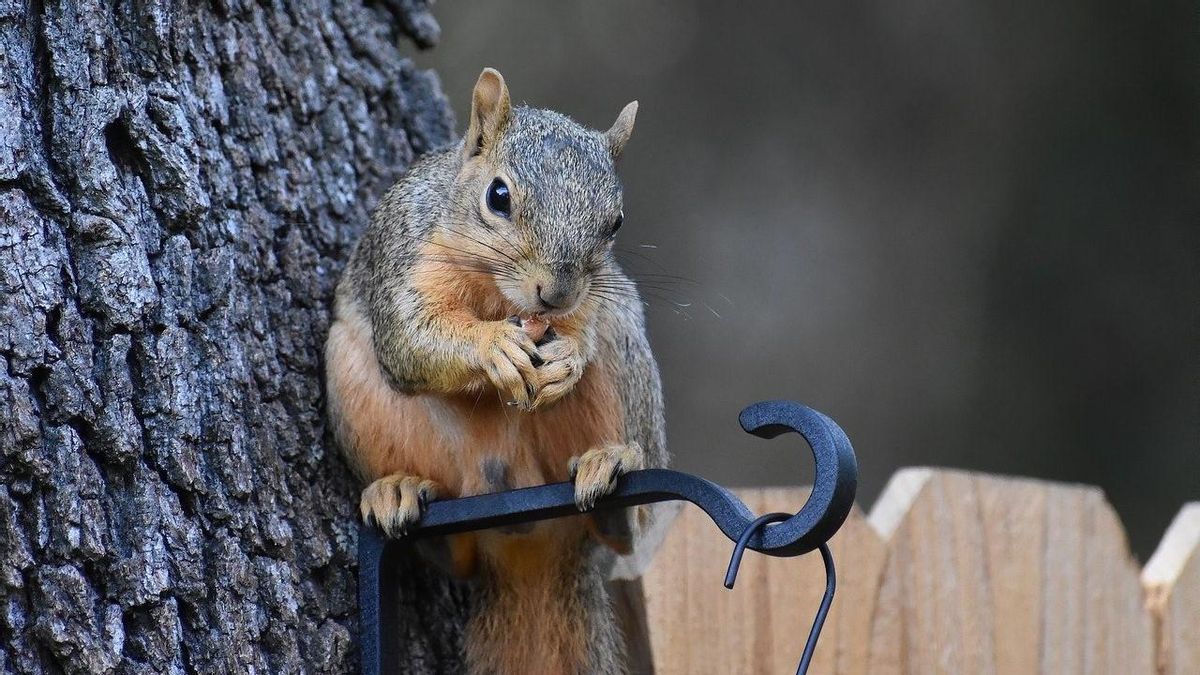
(562,366)
(595,472)
(507,355)
(396,502)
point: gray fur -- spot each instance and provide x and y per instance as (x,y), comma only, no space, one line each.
(378,274)
(570,196)
(572,192)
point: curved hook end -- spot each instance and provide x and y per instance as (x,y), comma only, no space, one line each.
(768,419)
(835,480)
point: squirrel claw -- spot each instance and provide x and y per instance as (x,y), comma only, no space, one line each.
(508,357)
(562,368)
(595,473)
(396,502)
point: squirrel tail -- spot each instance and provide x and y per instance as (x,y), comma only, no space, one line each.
(542,607)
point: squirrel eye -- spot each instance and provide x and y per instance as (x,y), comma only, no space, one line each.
(617,225)
(498,198)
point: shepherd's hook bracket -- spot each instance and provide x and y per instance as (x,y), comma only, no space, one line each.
(834,485)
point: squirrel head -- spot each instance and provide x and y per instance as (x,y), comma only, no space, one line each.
(537,199)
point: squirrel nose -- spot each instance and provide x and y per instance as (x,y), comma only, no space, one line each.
(555,297)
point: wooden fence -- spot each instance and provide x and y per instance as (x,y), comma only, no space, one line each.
(952,572)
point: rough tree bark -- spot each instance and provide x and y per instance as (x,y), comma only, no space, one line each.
(179,186)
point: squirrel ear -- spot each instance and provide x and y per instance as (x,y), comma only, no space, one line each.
(490,108)
(621,130)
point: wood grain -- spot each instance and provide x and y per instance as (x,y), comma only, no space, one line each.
(1001,575)
(697,626)
(953,572)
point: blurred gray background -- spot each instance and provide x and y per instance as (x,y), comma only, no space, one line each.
(968,231)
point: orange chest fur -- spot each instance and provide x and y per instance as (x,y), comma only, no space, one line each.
(498,447)
(467,441)
(470,443)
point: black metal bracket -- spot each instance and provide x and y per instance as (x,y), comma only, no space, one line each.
(834,485)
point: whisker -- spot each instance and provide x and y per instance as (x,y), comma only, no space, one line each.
(486,245)
(461,251)
(467,259)
(471,266)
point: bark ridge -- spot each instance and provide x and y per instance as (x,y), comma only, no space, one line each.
(180,184)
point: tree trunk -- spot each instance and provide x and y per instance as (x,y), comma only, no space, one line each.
(179,188)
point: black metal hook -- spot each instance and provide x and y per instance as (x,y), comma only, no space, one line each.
(834,485)
(814,633)
(735,560)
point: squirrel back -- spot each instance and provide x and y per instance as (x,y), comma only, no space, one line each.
(485,339)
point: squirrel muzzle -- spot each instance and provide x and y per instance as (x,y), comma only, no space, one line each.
(552,290)
(557,296)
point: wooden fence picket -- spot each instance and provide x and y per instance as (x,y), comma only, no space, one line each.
(952,572)
(758,627)
(1172,581)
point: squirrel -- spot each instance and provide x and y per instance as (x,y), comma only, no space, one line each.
(484,339)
